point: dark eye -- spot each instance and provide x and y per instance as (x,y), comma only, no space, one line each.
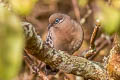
(57,20)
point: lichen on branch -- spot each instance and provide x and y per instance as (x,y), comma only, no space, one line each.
(59,59)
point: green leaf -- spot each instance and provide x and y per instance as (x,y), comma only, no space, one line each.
(22,7)
(110,18)
(11,44)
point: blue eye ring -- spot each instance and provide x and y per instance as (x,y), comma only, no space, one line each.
(57,20)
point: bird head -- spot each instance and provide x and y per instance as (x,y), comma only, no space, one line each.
(56,18)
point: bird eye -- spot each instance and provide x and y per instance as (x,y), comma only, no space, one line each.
(57,20)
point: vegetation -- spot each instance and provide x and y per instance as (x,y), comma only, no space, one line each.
(18,18)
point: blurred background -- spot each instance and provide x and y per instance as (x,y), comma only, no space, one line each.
(13,65)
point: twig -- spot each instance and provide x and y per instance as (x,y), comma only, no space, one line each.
(76,9)
(89,11)
(93,37)
(30,62)
(35,69)
(92,50)
(101,45)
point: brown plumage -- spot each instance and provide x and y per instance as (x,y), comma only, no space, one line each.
(64,33)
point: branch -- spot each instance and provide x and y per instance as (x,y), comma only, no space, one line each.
(61,60)
(113,65)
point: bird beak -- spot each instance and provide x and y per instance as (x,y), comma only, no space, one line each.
(49,26)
